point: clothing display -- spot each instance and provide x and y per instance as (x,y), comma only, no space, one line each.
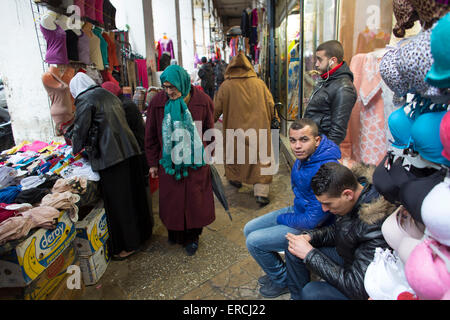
(61,108)
(367,137)
(84,55)
(35,199)
(56,45)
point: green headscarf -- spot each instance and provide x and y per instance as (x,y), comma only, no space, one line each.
(187,153)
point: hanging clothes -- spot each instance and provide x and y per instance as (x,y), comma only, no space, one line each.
(366,139)
(142,72)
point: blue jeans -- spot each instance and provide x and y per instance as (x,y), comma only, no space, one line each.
(264,239)
(298,279)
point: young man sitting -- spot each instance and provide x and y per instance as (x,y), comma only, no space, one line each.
(266,235)
(340,253)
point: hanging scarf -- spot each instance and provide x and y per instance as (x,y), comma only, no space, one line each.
(187,149)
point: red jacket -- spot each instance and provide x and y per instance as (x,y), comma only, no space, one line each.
(190,198)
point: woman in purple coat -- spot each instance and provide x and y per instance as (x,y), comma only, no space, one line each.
(186,202)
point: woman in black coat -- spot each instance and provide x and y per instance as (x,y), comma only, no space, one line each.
(100,127)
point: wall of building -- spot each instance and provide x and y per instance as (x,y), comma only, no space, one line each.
(187,36)
(21,68)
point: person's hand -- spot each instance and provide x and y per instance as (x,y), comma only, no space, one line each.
(153,172)
(299,245)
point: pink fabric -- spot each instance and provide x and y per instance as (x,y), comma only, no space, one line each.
(366,133)
(35,146)
(426,272)
(142,72)
(80,4)
(89,9)
(99,11)
(444,133)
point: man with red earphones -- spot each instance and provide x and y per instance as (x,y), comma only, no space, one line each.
(332,101)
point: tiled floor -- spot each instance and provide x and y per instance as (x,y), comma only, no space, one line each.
(221,269)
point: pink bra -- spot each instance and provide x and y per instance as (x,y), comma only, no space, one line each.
(428,270)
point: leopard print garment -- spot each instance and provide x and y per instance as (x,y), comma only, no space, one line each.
(405,15)
(430,11)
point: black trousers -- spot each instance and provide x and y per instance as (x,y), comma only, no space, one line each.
(124,194)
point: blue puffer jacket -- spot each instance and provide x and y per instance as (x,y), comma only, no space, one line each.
(308,212)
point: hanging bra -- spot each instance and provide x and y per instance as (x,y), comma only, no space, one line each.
(389,176)
(444,133)
(385,276)
(400,125)
(427,270)
(426,139)
(435,211)
(416,126)
(401,233)
(413,192)
(404,68)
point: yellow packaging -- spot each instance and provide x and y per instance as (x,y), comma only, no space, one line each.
(92,231)
(48,281)
(32,256)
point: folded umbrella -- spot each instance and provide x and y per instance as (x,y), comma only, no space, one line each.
(219,190)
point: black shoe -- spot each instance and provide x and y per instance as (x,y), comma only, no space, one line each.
(191,248)
(264,280)
(236,184)
(272,290)
(263,201)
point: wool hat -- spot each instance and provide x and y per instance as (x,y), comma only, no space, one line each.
(112,87)
(439,74)
(444,133)
(435,212)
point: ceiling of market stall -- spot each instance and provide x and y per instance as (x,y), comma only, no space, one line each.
(230,11)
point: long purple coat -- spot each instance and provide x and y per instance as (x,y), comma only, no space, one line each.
(189,200)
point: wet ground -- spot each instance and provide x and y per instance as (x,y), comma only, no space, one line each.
(222,268)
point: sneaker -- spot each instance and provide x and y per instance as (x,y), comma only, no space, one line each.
(191,248)
(263,201)
(264,280)
(272,290)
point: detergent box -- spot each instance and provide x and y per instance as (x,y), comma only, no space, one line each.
(92,231)
(94,266)
(54,277)
(31,257)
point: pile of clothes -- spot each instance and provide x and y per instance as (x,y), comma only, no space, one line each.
(37,181)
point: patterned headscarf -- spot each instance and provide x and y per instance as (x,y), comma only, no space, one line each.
(182,146)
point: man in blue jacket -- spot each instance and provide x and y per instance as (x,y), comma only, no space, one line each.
(266,235)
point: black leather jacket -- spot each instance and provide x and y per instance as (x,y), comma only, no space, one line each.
(355,236)
(101,128)
(331,104)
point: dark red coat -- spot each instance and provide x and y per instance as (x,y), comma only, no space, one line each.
(190,198)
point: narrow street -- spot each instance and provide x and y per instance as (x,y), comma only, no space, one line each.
(222,268)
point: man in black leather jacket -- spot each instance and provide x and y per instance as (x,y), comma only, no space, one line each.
(332,101)
(340,253)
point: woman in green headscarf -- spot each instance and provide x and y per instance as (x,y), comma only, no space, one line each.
(186,202)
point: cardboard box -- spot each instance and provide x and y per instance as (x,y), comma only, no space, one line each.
(34,255)
(47,282)
(94,266)
(92,231)
(62,292)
